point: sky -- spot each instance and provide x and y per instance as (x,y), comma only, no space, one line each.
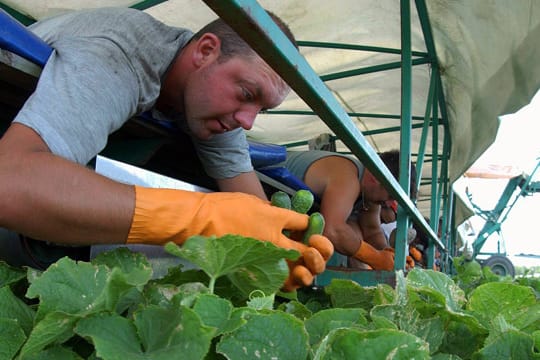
(517,144)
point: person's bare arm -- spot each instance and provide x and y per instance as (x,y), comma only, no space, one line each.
(49,198)
(369,221)
(246,182)
(336,180)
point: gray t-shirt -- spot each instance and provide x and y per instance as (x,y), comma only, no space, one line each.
(298,162)
(107,66)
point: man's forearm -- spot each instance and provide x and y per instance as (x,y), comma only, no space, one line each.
(247,183)
(49,198)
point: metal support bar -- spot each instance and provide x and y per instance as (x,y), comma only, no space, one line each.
(377,49)
(23,19)
(401,245)
(425,129)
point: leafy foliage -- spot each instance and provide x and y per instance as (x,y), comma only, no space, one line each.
(113,308)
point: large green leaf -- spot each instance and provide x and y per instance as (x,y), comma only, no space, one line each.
(156,333)
(528,319)
(346,293)
(322,322)
(11,338)
(433,283)
(407,318)
(501,298)
(81,288)
(213,311)
(114,337)
(172,333)
(250,264)
(374,344)
(296,308)
(461,339)
(134,265)
(10,274)
(536,338)
(55,327)
(273,335)
(71,287)
(510,345)
(11,307)
(56,352)
(130,271)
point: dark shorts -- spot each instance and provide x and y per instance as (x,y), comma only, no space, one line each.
(18,250)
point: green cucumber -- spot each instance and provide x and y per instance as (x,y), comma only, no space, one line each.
(302,201)
(315,226)
(281,199)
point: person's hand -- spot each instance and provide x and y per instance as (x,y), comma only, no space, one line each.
(301,271)
(415,253)
(163,215)
(409,261)
(377,259)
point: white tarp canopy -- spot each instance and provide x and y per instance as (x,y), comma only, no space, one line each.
(488,53)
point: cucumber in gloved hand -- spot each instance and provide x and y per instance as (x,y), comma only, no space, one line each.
(301,202)
(281,199)
(315,226)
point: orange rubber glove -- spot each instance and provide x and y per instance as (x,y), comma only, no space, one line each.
(415,253)
(409,261)
(163,215)
(377,259)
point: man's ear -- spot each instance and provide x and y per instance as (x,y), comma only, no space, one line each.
(207,50)
(370,177)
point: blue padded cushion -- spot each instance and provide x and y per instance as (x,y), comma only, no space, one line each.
(263,155)
(16,38)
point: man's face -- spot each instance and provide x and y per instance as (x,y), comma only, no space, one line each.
(387,214)
(223,96)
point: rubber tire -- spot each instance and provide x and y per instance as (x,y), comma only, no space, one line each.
(500,265)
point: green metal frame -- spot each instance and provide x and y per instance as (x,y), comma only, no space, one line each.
(22,18)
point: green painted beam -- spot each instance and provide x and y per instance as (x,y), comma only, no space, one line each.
(401,245)
(371,69)
(22,18)
(378,49)
(352,114)
(143,5)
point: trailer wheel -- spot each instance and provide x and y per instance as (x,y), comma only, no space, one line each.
(500,265)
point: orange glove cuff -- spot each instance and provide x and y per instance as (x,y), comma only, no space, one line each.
(378,260)
(163,215)
(415,253)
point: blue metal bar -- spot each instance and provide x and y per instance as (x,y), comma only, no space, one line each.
(16,38)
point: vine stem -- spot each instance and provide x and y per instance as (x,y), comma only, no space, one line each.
(212,284)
